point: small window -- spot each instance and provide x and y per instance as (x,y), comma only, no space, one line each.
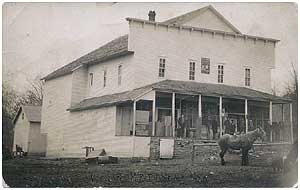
(162,67)
(192,70)
(220,73)
(119,75)
(205,65)
(104,78)
(247,77)
(91,79)
(22,116)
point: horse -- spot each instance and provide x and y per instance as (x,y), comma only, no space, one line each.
(242,142)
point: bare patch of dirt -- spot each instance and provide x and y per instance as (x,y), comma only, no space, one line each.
(205,172)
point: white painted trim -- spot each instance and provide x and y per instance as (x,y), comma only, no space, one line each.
(271,119)
(153,113)
(78,67)
(220,115)
(141,95)
(246,114)
(200,106)
(173,112)
(133,128)
(266,40)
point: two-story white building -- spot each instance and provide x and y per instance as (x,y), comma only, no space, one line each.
(183,77)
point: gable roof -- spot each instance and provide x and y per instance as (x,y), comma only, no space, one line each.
(32,113)
(205,89)
(179,20)
(113,49)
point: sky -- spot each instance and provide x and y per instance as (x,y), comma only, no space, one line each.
(41,37)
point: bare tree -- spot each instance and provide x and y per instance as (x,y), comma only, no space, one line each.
(12,100)
(10,104)
(34,94)
(292,88)
(292,93)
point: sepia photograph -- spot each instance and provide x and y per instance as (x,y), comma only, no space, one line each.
(150,94)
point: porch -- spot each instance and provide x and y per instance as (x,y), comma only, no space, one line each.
(177,114)
(153,116)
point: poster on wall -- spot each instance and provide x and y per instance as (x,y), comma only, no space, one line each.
(205,62)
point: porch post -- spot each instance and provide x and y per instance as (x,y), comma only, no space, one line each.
(246,115)
(153,114)
(133,128)
(134,118)
(281,136)
(220,116)
(291,121)
(173,113)
(200,106)
(199,123)
(270,120)
(282,113)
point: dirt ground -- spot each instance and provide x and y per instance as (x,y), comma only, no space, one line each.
(205,172)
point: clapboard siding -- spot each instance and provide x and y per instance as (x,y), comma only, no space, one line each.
(37,141)
(79,85)
(178,46)
(209,20)
(21,132)
(94,128)
(68,132)
(111,67)
(55,116)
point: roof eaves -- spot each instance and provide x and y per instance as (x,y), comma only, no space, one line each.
(200,29)
(111,57)
(17,115)
(115,48)
(97,106)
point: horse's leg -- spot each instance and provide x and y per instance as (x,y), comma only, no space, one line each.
(243,157)
(246,157)
(222,153)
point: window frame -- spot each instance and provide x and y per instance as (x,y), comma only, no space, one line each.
(120,74)
(192,69)
(220,73)
(162,67)
(247,76)
(91,76)
(104,78)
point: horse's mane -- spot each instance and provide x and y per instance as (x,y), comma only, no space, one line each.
(252,135)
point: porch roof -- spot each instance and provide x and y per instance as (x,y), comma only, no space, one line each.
(184,87)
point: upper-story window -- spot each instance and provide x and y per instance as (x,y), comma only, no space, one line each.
(247,77)
(192,70)
(220,73)
(162,67)
(91,79)
(104,78)
(119,75)
(205,65)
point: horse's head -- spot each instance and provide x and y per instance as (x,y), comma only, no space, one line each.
(261,133)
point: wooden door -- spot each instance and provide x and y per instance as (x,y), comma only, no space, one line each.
(126,128)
